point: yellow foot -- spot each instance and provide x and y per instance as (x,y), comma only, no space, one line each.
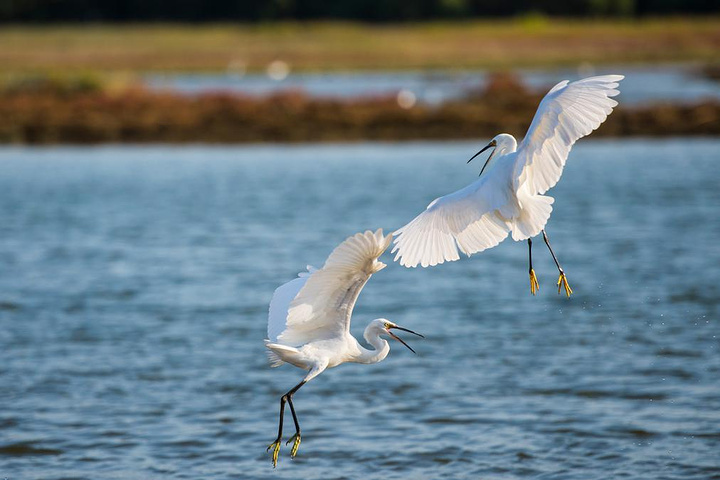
(276,451)
(563,283)
(534,285)
(296,444)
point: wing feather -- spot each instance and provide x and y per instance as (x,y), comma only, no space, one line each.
(475,218)
(467,220)
(280,304)
(322,303)
(568,112)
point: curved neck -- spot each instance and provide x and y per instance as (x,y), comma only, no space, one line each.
(382,347)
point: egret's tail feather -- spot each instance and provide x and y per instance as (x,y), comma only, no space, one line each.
(535,212)
(279,354)
(272,353)
(273,359)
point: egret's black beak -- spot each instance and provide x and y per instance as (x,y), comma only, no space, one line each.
(489,145)
(400,339)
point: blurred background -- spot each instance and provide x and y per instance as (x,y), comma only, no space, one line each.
(235,71)
(164,167)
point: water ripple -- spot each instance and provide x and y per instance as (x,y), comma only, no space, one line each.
(134,291)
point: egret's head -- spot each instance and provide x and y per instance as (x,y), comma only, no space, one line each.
(502,143)
(383,326)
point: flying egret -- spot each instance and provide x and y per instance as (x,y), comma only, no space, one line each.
(509,196)
(309,319)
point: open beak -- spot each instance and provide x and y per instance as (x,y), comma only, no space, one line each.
(489,145)
(400,339)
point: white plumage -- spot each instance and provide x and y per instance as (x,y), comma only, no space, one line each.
(309,317)
(319,303)
(568,112)
(508,197)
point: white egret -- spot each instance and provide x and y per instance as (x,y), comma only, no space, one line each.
(509,196)
(309,319)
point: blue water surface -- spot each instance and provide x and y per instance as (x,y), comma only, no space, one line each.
(133,305)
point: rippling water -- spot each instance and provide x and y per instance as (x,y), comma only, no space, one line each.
(135,283)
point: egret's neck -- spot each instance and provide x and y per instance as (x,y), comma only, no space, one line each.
(382,348)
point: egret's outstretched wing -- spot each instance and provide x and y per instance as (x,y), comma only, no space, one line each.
(320,305)
(568,112)
(467,219)
(280,303)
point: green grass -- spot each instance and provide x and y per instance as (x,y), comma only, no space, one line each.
(497,44)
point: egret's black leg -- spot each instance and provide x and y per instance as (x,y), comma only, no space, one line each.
(534,285)
(295,438)
(275,446)
(547,242)
(562,280)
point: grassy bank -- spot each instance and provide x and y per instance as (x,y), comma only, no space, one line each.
(47,115)
(531,41)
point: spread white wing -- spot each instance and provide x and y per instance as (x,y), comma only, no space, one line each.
(319,304)
(281,300)
(568,112)
(466,219)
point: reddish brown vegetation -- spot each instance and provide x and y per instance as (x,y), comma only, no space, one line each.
(136,115)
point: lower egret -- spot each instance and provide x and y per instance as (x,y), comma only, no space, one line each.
(509,196)
(309,319)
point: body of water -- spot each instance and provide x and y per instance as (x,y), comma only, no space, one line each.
(133,306)
(642,85)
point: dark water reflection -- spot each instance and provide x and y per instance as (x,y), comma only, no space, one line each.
(135,284)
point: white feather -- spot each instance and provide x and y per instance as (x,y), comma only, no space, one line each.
(508,196)
(469,219)
(319,304)
(280,304)
(568,112)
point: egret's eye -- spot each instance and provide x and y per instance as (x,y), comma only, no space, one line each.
(387,325)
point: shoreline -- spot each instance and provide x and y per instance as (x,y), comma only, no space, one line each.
(140,116)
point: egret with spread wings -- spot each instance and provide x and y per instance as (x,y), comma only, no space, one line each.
(508,197)
(309,320)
